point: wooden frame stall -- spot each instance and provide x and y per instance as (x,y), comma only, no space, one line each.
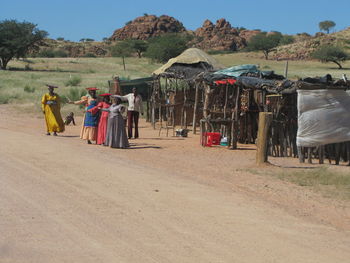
(238,101)
(175,100)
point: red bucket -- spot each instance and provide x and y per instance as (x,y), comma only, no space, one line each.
(212,138)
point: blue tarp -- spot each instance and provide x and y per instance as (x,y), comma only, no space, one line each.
(237,71)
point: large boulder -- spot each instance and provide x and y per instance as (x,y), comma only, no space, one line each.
(148,26)
(221,36)
(248,34)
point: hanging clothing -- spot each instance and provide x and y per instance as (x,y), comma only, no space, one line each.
(51,106)
(116,133)
(102,123)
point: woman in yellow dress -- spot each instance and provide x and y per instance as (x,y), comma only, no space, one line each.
(51,106)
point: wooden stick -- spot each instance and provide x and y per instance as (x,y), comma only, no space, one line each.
(301,154)
(321,154)
(309,154)
(195,109)
(265,119)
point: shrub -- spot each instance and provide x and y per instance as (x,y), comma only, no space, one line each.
(6,98)
(73,94)
(286,39)
(73,81)
(29,89)
(89,55)
(52,53)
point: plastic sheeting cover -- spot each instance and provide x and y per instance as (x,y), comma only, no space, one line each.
(237,71)
(323,117)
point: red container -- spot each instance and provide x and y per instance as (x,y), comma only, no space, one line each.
(212,138)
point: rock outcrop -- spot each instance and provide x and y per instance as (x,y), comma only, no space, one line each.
(248,34)
(221,36)
(148,26)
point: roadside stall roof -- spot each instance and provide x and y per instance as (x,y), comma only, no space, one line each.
(191,58)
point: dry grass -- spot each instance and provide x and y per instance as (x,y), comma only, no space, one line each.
(297,69)
(329,182)
(34,73)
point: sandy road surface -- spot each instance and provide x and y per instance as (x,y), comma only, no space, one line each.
(64,201)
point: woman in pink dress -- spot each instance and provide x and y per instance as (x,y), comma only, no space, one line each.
(102,124)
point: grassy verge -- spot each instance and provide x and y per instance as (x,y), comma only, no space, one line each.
(24,82)
(330,183)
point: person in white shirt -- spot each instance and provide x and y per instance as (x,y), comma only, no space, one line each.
(134,109)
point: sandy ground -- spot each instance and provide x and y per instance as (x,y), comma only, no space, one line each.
(166,199)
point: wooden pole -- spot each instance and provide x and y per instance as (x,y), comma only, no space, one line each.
(321,154)
(195,109)
(235,123)
(124,63)
(301,154)
(309,155)
(286,70)
(265,119)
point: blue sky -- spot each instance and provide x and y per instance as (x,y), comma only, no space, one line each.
(76,19)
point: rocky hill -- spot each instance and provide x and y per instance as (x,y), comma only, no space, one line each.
(221,36)
(148,26)
(306,44)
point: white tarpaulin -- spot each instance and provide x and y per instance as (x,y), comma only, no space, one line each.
(323,117)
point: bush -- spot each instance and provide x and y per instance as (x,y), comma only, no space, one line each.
(29,89)
(6,98)
(167,46)
(73,81)
(52,53)
(89,55)
(286,39)
(330,54)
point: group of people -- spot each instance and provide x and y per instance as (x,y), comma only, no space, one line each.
(103,119)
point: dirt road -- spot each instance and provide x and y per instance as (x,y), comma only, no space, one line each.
(64,201)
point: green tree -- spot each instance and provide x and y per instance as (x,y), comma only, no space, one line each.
(167,46)
(286,39)
(121,49)
(138,46)
(17,39)
(330,54)
(265,42)
(326,25)
(60,39)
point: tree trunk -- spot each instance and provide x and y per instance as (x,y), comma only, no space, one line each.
(266,54)
(339,65)
(3,63)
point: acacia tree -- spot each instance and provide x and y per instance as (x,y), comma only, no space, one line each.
(17,39)
(167,46)
(330,54)
(265,42)
(326,25)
